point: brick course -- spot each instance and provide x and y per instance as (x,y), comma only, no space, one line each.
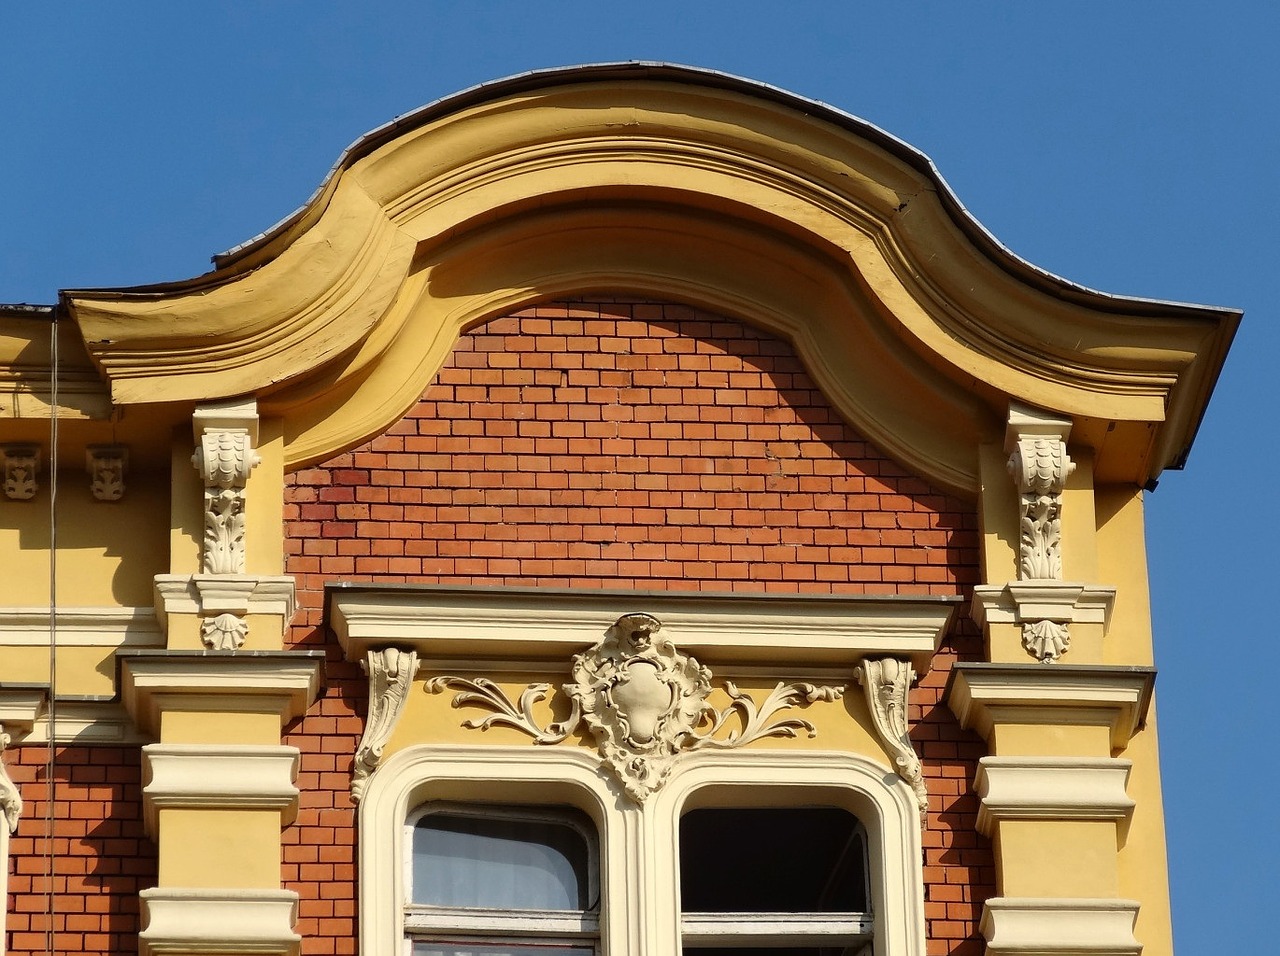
(625,444)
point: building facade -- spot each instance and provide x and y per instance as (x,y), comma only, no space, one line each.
(627,510)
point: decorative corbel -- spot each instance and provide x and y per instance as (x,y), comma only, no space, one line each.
(21,465)
(391,672)
(107,466)
(1040,465)
(10,799)
(886,682)
(224,456)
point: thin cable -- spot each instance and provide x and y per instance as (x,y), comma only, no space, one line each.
(50,817)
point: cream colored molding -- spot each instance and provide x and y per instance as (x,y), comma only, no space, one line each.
(983,695)
(218,777)
(639,842)
(21,466)
(522,623)
(86,722)
(107,466)
(81,627)
(283,682)
(1018,926)
(887,683)
(1052,788)
(1044,609)
(224,456)
(222,601)
(644,702)
(391,672)
(214,922)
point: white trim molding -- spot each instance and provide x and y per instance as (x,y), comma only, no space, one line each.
(281,682)
(218,777)
(1052,788)
(1019,926)
(639,842)
(81,627)
(982,695)
(195,922)
(444,622)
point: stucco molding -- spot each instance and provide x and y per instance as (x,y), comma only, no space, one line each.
(278,682)
(524,623)
(640,178)
(81,626)
(20,707)
(887,684)
(19,469)
(646,703)
(210,922)
(1052,788)
(390,671)
(1019,926)
(223,602)
(983,695)
(218,777)
(225,434)
(107,466)
(1044,610)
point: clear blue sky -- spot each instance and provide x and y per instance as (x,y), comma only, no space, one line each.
(1130,147)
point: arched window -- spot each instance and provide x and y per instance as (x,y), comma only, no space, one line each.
(501,881)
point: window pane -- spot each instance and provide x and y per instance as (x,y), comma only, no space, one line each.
(499,862)
(856,950)
(500,949)
(802,860)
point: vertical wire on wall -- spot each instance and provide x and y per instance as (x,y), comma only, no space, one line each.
(50,760)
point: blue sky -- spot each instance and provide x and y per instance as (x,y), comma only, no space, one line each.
(1129,147)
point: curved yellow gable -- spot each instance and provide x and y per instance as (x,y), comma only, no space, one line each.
(666,181)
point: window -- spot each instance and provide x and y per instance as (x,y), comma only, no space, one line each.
(745,852)
(502,881)
(806,893)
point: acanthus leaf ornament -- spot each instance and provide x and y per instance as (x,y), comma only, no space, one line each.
(10,799)
(887,682)
(644,701)
(391,672)
(224,459)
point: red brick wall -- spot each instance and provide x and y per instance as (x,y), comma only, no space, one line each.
(102,857)
(620,444)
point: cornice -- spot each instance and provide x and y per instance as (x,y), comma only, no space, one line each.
(983,695)
(410,240)
(218,777)
(523,623)
(1052,788)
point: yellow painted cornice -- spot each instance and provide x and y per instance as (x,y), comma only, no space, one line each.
(673,183)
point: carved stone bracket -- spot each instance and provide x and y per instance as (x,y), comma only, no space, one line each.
(391,672)
(21,465)
(107,466)
(886,682)
(224,456)
(21,705)
(1045,610)
(645,702)
(10,799)
(223,603)
(1039,463)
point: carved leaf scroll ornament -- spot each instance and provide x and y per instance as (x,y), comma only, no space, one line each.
(224,459)
(10,799)
(391,672)
(644,701)
(1040,466)
(886,682)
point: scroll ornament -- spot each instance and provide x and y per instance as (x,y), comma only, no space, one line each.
(10,799)
(391,672)
(21,465)
(646,704)
(1040,467)
(107,465)
(886,682)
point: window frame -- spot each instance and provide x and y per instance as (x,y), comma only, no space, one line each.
(638,845)
(488,924)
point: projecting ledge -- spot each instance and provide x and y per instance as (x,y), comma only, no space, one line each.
(546,624)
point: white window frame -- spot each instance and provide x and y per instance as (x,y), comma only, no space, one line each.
(639,845)
(485,924)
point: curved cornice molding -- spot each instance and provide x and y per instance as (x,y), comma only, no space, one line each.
(674,183)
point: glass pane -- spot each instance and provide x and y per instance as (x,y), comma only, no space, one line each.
(499,862)
(500,949)
(780,951)
(801,860)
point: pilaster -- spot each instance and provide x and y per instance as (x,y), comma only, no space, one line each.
(218,787)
